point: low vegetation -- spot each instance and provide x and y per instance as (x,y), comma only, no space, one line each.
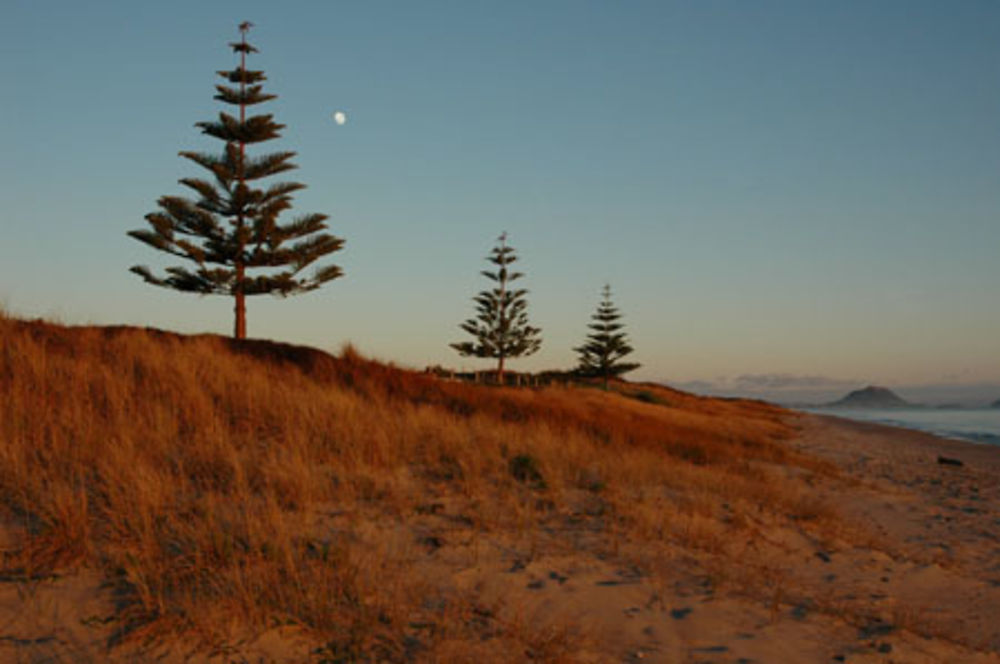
(222,484)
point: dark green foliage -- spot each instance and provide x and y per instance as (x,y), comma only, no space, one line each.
(606,345)
(501,326)
(232,226)
(647,397)
(525,469)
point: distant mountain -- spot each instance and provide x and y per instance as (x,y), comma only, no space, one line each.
(872,397)
(995,404)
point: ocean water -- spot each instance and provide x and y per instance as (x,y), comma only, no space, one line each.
(979,425)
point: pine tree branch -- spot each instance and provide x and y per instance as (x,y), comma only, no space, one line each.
(239,75)
(254,129)
(267,165)
(302,226)
(248,97)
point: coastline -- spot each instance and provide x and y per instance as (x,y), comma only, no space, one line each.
(938,523)
(917,442)
(976,425)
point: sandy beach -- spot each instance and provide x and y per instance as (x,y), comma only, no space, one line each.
(911,575)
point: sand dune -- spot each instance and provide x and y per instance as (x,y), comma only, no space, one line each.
(913,577)
(191,499)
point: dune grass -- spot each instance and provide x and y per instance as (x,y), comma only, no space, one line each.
(216,482)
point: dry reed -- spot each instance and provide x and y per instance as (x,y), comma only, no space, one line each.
(195,472)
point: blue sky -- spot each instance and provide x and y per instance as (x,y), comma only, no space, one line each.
(800,189)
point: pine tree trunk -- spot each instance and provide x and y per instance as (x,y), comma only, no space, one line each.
(500,370)
(240,327)
(240,306)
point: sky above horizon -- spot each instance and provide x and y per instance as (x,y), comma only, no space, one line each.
(780,193)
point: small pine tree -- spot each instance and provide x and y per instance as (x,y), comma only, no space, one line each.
(501,325)
(233,227)
(606,345)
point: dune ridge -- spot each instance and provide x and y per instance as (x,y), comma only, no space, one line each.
(204,499)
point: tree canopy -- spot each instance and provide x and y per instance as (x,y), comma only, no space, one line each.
(606,345)
(500,327)
(230,230)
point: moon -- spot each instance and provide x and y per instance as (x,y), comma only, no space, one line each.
(340,117)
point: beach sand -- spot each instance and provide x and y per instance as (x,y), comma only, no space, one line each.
(914,576)
(911,574)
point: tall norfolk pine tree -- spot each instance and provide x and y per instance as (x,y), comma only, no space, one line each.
(606,345)
(233,227)
(501,324)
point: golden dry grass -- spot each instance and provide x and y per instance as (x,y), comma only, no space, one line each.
(216,482)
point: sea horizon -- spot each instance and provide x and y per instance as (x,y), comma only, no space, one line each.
(972,424)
